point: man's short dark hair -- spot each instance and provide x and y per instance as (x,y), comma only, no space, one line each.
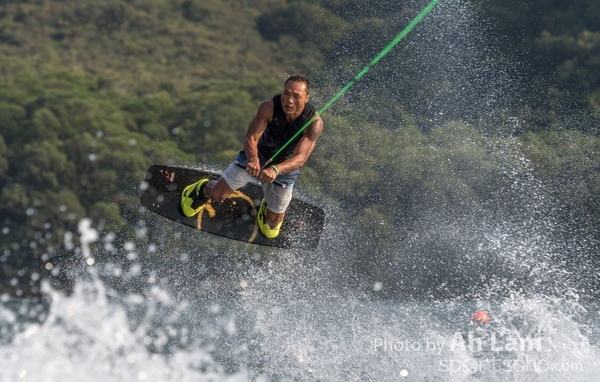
(299,78)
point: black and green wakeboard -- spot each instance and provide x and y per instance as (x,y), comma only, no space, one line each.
(234,218)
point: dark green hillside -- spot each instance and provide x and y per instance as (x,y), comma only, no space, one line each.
(92,92)
(140,46)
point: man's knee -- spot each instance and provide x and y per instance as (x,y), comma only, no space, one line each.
(217,190)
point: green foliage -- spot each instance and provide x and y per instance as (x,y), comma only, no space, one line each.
(311,24)
(91,93)
(569,162)
(577,59)
(107,215)
(343,157)
(3,157)
(67,153)
(42,165)
(45,125)
(140,45)
(570,158)
(12,118)
(560,41)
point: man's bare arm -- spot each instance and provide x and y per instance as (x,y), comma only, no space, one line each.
(257,127)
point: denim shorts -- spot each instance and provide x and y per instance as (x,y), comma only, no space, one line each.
(278,198)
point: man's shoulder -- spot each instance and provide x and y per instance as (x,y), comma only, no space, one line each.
(266,108)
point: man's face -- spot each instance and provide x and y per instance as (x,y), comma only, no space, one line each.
(293,98)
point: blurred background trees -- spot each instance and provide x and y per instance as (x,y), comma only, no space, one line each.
(93,93)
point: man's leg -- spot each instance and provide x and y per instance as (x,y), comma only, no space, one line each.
(195,196)
(233,178)
(276,201)
(217,190)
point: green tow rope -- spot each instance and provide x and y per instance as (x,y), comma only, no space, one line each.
(364,71)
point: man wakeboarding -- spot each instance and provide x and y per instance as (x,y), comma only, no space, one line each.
(273,153)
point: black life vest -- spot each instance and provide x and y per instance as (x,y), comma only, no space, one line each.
(279,131)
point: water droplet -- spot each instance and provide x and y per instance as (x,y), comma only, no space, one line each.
(377,286)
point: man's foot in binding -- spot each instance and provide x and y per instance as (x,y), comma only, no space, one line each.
(193,198)
(265,228)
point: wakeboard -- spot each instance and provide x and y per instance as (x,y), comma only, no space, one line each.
(233,218)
